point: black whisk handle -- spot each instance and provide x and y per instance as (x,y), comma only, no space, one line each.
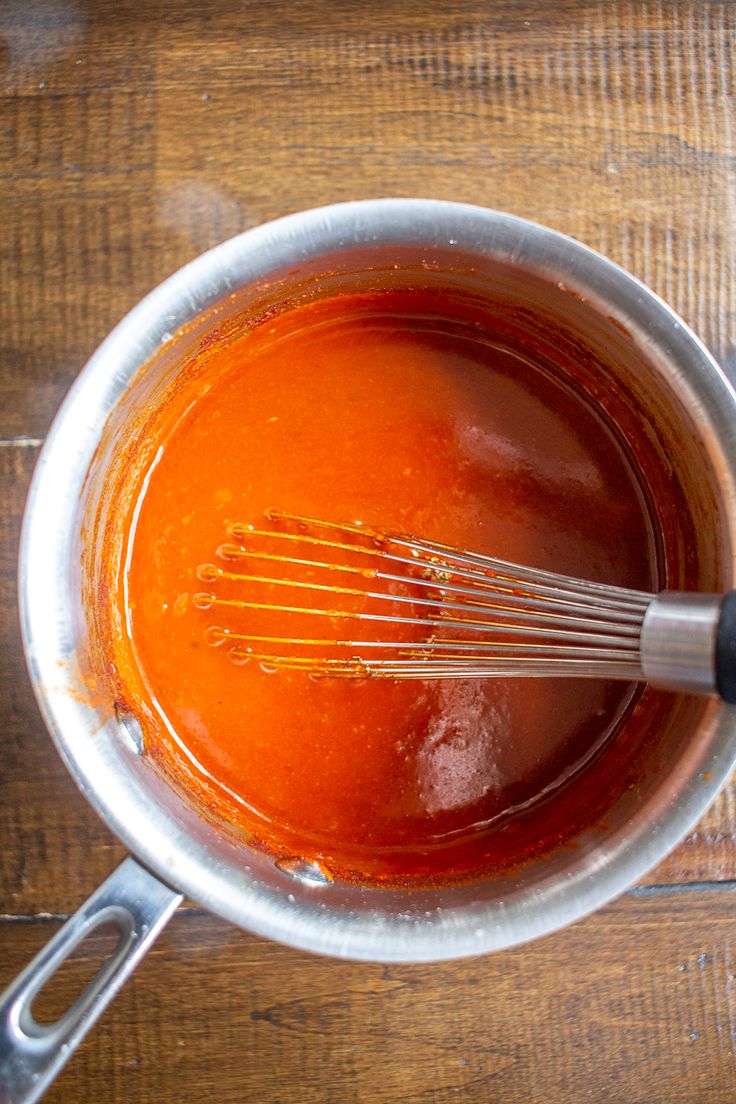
(726,649)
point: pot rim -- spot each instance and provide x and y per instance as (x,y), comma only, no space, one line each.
(46,571)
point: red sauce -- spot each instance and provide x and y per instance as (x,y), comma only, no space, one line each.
(376,408)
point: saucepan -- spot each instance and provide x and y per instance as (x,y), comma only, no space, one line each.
(640,349)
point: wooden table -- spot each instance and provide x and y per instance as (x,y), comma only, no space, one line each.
(134,136)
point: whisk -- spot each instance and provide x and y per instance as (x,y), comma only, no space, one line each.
(371,604)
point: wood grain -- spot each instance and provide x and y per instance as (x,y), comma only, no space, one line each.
(132,137)
(54,847)
(607,1010)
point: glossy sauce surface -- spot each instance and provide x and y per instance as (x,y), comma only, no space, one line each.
(378,409)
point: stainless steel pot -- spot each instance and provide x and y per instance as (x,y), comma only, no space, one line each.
(647,352)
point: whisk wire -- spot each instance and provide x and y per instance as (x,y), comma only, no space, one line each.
(516,572)
(551,622)
(465,614)
(496,577)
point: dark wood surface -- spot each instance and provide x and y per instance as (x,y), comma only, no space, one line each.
(133,136)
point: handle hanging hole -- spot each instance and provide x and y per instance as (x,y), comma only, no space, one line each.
(65,986)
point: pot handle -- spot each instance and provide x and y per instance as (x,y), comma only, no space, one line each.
(32,1054)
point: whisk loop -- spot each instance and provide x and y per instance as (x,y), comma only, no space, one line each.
(444,612)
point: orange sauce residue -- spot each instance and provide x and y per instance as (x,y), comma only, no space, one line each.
(374,408)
